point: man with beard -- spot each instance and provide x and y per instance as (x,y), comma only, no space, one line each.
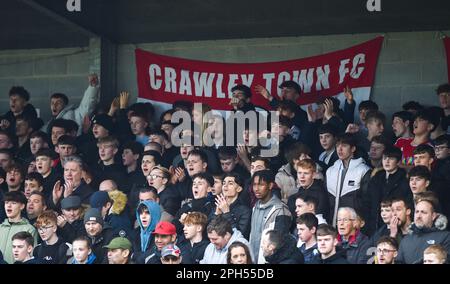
(427,228)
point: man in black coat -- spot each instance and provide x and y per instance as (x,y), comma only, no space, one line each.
(279,248)
(389,183)
(18,105)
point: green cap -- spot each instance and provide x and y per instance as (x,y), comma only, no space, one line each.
(119,243)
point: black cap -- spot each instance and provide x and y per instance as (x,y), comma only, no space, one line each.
(291,84)
(104,120)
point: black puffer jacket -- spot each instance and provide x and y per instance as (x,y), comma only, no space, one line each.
(288,253)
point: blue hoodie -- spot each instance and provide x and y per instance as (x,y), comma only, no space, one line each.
(90,260)
(155,214)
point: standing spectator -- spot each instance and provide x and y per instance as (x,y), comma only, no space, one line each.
(350,238)
(148,215)
(52,249)
(386,215)
(70,222)
(15,176)
(387,250)
(402,123)
(15,202)
(221,235)
(387,184)
(424,124)
(279,248)
(74,183)
(98,232)
(419,180)
(165,234)
(241,99)
(44,167)
(201,186)
(327,138)
(82,252)
(139,124)
(269,212)
(401,219)
(18,105)
(6,156)
(306,170)
(38,140)
(107,167)
(307,225)
(35,206)
(119,251)
(194,243)
(59,104)
(377,146)
(229,205)
(426,227)
(23,132)
(131,156)
(290,91)
(327,243)
(305,203)
(112,209)
(159,178)
(22,248)
(347,179)
(33,182)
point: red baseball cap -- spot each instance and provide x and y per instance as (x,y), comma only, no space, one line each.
(165,228)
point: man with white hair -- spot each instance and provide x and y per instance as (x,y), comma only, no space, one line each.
(350,238)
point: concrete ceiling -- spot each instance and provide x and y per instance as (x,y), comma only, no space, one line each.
(47,23)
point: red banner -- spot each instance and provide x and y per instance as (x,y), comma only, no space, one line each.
(167,79)
(447,51)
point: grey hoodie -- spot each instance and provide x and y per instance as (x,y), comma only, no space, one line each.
(272,215)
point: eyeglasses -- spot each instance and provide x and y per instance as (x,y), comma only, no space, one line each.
(43,229)
(385,251)
(345,220)
(154,176)
(440,148)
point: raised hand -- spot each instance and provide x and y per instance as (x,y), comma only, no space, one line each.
(93,80)
(234,102)
(348,95)
(180,174)
(57,192)
(124,98)
(393,226)
(311,114)
(222,203)
(328,105)
(243,156)
(264,92)
(114,106)
(86,124)
(61,221)
(4,124)
(352,128)
(68,188)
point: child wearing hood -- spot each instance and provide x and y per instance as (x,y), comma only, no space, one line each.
(148,214)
